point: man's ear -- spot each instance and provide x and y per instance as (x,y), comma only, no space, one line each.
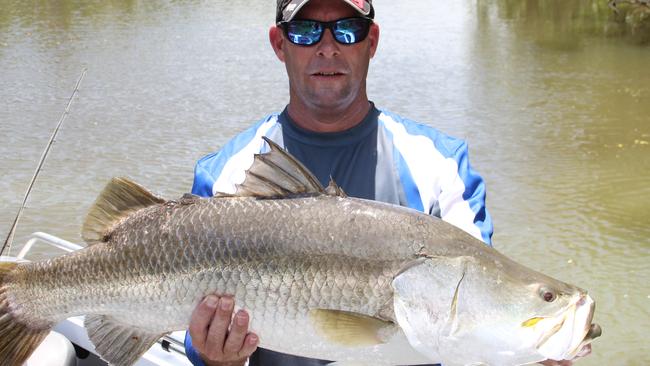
(277,42)
(373,36)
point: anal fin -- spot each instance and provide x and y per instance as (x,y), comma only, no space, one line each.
(117,343)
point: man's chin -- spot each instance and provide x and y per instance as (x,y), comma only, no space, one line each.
(331,99)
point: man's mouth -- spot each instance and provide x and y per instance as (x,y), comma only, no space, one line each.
(328,74)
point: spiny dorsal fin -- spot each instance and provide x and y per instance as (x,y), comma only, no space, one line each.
(350,329)
(277,174)
(333,189)
(118,343)
(189,199)
(120,198)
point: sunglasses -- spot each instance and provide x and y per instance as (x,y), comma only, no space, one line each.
(304,32)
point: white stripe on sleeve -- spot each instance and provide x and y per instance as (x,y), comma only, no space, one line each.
(435,176)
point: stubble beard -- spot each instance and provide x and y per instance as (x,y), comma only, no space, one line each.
(330,97)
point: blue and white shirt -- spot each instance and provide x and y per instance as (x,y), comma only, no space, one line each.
(385,158)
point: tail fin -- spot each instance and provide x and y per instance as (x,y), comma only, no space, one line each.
(17,340)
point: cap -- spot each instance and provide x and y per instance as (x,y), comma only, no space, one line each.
(287,9)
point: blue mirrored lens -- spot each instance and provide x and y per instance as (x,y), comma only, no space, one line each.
(309,32)
(304,32)
(350,31)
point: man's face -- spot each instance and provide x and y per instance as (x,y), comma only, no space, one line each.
(327,75)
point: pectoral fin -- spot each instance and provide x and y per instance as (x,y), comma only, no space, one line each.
(118,343)
(350,329)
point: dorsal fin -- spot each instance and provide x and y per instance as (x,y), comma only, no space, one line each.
(120,198)
(277,174)
(333,189)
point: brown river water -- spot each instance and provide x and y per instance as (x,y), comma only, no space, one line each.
(552,96)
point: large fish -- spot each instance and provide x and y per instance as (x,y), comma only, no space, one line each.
(323,276)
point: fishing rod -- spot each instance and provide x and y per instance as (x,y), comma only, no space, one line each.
(12,231)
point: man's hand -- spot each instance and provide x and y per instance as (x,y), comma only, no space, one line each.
(585,351)
(220,338)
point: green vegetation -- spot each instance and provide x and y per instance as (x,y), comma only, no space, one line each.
(55,23)
(635,15)
(60,14)
(629,19)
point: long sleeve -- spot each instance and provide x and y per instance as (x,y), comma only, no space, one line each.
(462,197)
(191,353)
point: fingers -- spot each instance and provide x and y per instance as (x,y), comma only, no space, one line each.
(249,346)
(240,342)
(201,319)
(218,336)
(219,328)
(585,351)
(238,331)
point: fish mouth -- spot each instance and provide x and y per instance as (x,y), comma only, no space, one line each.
(594,332)
(569,332)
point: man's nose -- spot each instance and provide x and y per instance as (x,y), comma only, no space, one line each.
(328,46)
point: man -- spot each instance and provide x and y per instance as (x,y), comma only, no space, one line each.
(334,130)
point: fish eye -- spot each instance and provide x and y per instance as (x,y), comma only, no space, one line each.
(547,294)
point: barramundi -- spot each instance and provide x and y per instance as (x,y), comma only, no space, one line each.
(322,275)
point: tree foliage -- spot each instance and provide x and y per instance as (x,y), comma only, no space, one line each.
(613,18)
